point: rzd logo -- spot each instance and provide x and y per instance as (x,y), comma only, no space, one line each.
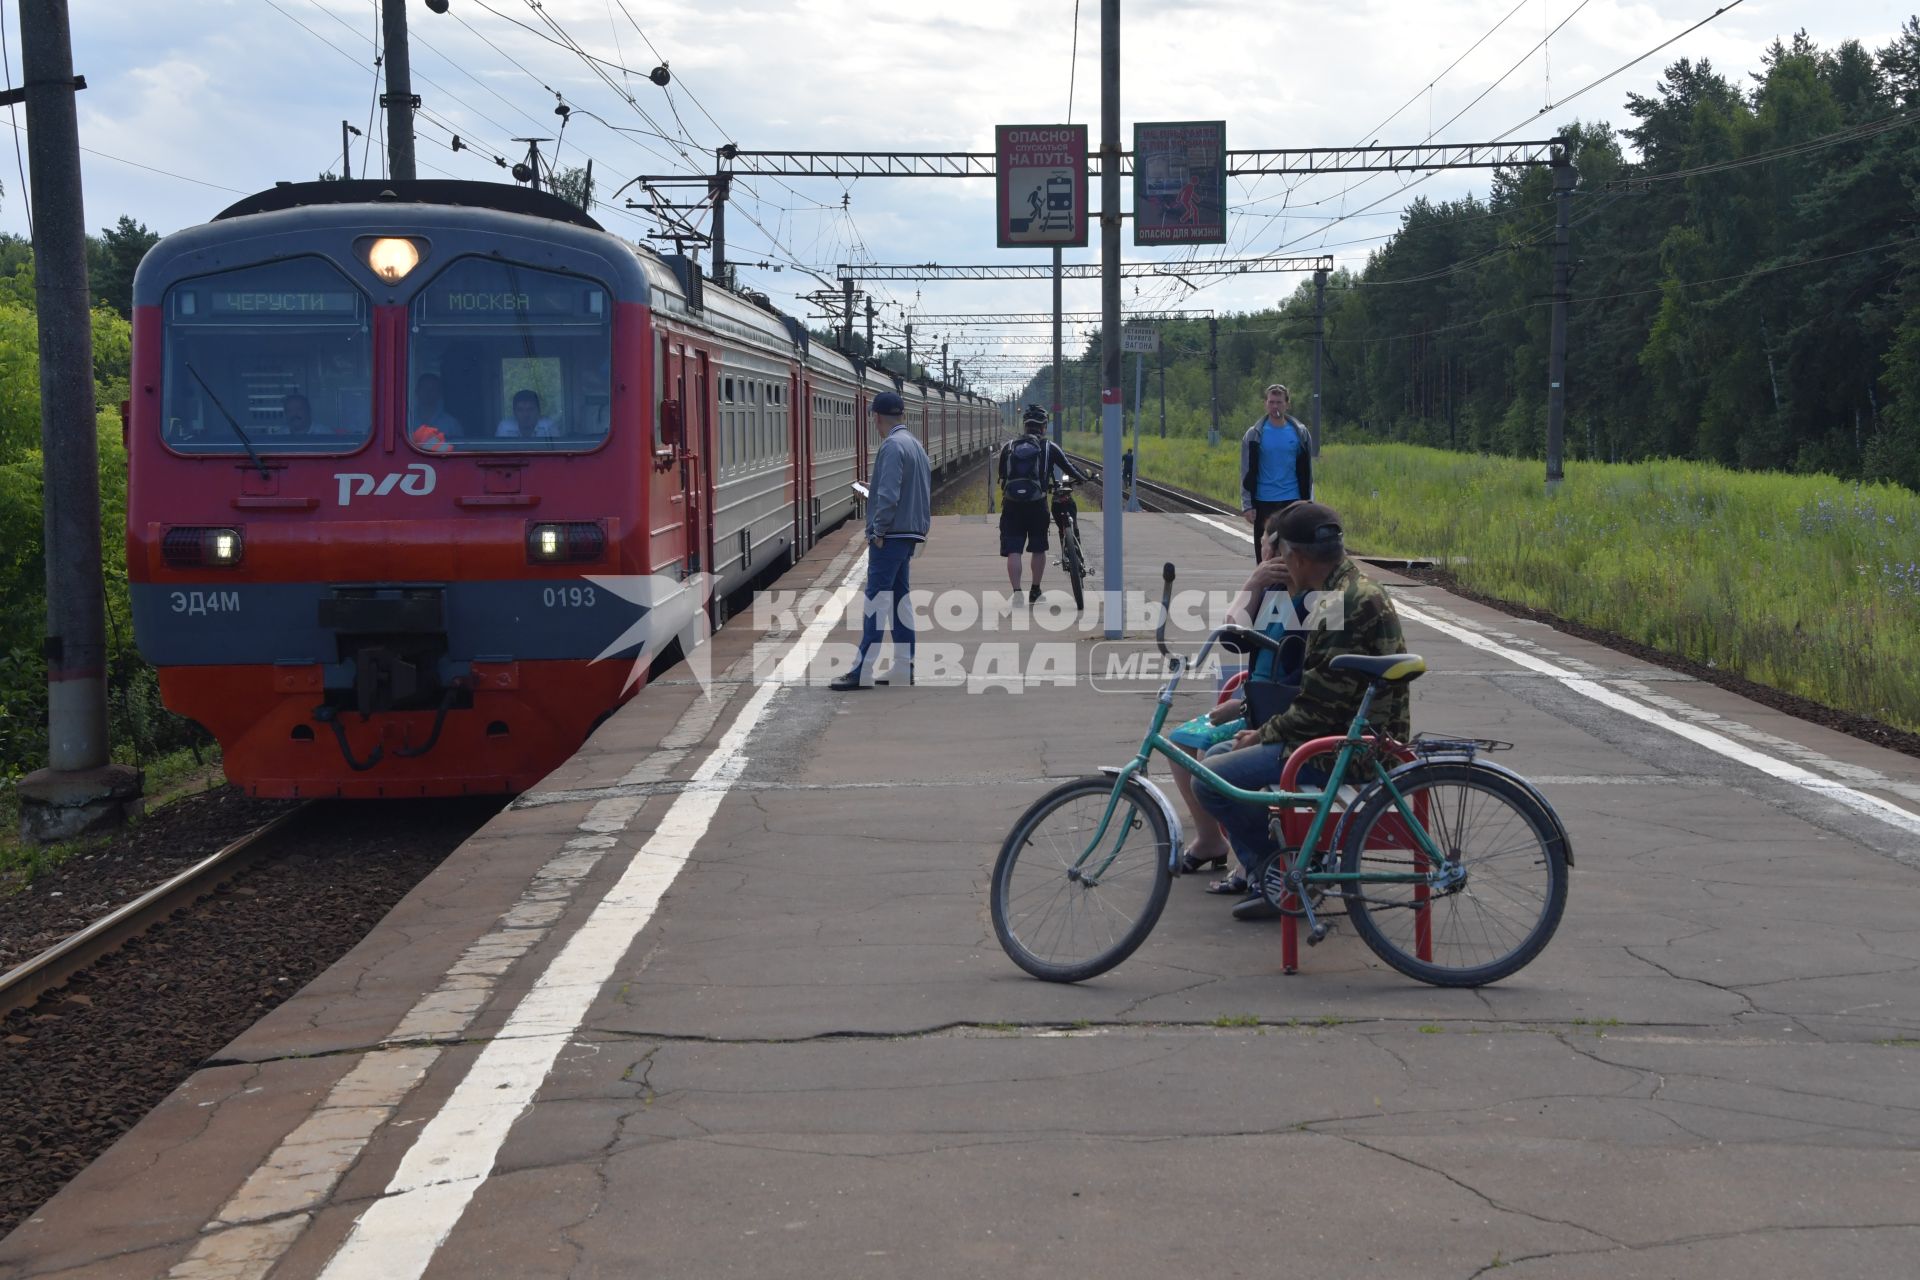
(417,480)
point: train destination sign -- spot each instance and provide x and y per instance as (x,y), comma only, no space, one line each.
(569,303)
(296,303)
(1041,173)
(1180,182)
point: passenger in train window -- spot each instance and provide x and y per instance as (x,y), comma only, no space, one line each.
(526,422)
(430,411)
(296,414)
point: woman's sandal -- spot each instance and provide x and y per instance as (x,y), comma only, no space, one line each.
(1235,884)
(1190,863)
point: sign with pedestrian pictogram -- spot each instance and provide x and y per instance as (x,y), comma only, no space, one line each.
(1041,172)
(1180,182)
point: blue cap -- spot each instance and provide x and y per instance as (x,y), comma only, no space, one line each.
(890,403)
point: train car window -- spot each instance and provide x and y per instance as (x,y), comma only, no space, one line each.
(509,359)
(280,354)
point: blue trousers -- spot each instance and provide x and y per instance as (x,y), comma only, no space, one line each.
(1249,768)
(887,596)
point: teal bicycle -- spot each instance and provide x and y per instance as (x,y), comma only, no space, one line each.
(1453,870)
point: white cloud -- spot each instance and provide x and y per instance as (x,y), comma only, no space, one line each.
(234,92)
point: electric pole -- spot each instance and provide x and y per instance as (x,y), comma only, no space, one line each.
(1163,395)
(909,328)
(846,314)
(943,362)
(1319,348)
(721,187)
(870,310)
(346,150)
(79,790)
(1564,176)
(1059,427)
(1213,379)
(1110,393)
(398,99)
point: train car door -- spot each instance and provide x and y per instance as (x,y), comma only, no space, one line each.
(802,425)
(670,532)
(697,468)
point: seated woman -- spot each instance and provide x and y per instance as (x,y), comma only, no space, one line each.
(1209,844)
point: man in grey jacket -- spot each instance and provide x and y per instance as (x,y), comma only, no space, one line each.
(899,512)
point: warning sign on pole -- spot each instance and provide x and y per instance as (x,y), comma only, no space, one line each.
(1180,183)
(1139,336)
(1042,176)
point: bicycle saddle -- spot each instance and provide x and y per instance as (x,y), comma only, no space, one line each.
(1391,668)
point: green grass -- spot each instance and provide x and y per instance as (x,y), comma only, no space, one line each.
(1236,1020)
(170,777)
(1809,584)
(969,499)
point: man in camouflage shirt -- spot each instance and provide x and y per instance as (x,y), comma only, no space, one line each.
(1350,614)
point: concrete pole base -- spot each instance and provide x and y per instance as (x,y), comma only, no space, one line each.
(61,805)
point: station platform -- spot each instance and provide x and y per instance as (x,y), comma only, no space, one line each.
(721,997)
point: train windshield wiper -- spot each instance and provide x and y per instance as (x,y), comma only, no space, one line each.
(232,421)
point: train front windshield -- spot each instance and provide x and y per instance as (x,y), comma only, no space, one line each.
(509,359)
(279,357)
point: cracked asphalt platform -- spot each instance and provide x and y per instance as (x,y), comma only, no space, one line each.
(814,1059)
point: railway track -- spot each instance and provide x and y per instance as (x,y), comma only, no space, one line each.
(26,982)
(1165,497)
(135,1002)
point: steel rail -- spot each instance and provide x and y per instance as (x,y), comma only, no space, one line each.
(54,967)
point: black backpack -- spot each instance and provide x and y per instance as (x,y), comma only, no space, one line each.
(1026,470)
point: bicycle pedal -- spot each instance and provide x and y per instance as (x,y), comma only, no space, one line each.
(1316,935)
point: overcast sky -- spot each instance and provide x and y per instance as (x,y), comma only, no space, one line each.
(223,97)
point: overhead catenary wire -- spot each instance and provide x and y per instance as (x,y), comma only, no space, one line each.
(19,129)
(20,164)
(1591,85)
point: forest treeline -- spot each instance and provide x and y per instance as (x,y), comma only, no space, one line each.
(1746,289)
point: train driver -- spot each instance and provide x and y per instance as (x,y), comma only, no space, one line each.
(526,421)
(297,412)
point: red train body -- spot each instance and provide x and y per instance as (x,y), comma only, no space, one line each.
(392,461)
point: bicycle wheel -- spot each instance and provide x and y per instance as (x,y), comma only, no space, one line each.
(1076,571)
(1510,893)
(1063,922)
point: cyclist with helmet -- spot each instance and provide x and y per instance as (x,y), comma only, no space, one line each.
(1027,465)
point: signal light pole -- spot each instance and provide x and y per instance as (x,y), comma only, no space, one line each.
(399,99)
(1112,502)
(80,790)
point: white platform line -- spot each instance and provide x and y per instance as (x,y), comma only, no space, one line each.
(267,1214)
(397,1237)
(1893,815)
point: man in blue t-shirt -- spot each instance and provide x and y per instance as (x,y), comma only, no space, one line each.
(1276,463)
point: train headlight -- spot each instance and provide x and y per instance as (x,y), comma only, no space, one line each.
(189,546)
(577,540)
(392,257)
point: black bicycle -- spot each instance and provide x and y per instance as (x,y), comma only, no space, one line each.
(1066,514)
